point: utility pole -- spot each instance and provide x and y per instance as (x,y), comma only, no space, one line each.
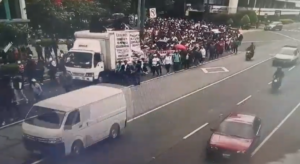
(7,10)
(143,14)
(139,14)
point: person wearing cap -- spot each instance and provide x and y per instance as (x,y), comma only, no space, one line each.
(18,86)
(37,90)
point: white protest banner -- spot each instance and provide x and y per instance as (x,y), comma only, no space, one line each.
(134,38)
(152,13)
(122,43)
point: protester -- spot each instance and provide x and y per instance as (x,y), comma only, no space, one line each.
(37,90)
(40,70)
(6,100)
(163,34)
(18,86)
(65,80)
(168,62)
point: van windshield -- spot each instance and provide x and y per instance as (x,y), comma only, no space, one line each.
(79,59)
(45,117)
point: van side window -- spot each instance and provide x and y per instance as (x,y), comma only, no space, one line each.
(73,118)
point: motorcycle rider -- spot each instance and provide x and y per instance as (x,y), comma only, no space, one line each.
(279,73)
(251,48)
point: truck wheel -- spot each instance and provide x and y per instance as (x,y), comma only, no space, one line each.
(98,80)
(114,131)
(77,148)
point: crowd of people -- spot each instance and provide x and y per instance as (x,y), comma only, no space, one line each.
(31,71)
(169,43)
(177,44)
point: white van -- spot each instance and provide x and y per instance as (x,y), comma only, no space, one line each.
(68,123)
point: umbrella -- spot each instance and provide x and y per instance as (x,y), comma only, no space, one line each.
(180,47)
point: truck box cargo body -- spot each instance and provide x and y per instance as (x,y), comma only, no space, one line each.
(94,55)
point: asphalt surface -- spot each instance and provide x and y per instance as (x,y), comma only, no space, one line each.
(160,137)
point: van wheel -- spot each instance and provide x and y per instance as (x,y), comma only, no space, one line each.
(77,148)
(114,131)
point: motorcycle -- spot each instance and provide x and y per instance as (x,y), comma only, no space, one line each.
(249,55)
(276,83)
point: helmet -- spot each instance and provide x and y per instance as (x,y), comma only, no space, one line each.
(279,68)
(33,80)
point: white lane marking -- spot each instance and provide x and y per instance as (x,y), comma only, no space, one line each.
(245,99)
(270,82)
(292,68)
(39,161)
(275,129)
(285,36)
(195,131)
(8,125)
(189,94)
(260,41)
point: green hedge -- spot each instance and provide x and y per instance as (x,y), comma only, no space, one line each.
(9,69)
(286,21)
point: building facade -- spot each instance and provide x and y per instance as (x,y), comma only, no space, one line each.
(13,11)
(286,7)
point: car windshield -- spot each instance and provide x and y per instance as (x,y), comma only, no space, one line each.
(287,51)
(235,129)
(79,59)
(45,117)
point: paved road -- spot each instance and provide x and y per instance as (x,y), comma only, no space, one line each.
(158,137)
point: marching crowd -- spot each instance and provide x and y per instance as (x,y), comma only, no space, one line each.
(178,44)
(170,44)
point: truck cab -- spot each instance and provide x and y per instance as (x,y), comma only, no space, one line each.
(85,60)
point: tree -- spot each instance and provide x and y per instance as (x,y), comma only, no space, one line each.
(62,19)
(116,6)
(230,21)
(245,20)
(253,17)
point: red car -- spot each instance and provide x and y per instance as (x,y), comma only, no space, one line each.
(235,138)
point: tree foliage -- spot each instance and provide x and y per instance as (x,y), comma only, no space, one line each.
(245,20)
(63,19)
(117,6)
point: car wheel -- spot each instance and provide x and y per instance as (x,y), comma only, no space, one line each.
(77,148)
(114,131)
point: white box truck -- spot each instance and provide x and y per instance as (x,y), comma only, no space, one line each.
(94,55)
(68,123)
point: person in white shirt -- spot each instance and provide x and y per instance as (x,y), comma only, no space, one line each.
(168,62)
(203,53)
(155,65)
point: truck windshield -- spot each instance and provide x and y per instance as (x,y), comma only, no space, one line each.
(45,117)
(79,59)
